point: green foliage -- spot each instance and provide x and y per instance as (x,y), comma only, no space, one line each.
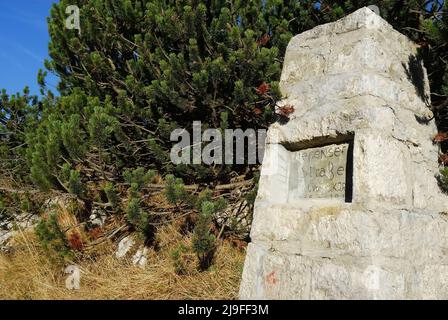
(58,143)
(180,263)
(138,178)
(111,194)
(204,196)
(75,185)
(141,68)
(175,191)
(135,216)
(51,237)
(18,116)
(26,204)
(204,242)
(443,178)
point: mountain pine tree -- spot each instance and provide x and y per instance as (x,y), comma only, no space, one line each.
(18,116)
(140,68)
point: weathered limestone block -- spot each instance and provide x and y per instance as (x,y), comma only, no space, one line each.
(357,86)
(14,225)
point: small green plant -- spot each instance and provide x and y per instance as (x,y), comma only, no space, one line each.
(51,237)
(111,194)
(65,171)
(443,179)
(204,242)
(72,180)
(180,260)
(138,178)
(135,216)
(175,191)
(203,196)
(26,204)
(75,185)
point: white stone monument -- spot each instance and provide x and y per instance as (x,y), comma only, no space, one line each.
(348,205)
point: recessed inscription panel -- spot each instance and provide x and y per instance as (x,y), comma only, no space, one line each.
(322,172)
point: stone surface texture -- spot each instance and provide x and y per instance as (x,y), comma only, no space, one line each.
(355,77)
(130,247)
(319,172)
(12,226)
(124,246)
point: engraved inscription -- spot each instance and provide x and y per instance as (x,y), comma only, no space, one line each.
(323,171)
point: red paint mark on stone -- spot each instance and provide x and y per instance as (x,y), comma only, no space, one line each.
(270,278)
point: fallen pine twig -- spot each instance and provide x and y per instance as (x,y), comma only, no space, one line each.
(32,191)
(234,185)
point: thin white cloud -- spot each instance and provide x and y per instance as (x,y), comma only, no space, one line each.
(30,53)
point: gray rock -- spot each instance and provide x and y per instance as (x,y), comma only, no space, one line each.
(10,227)
(5,235)
(140,258)
(98,217)
(62,201)
(124,246)
(359,82)
(128,247)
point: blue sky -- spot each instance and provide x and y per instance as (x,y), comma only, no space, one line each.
(23,44)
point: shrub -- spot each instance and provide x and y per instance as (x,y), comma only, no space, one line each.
(111,194)
(75,185)
(135,216)
(175,191)
(51,237)
(204,242)
(138,178)
(181,260)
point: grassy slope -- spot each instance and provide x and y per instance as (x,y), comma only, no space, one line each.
(29,273)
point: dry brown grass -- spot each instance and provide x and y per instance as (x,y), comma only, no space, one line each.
(29,273)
